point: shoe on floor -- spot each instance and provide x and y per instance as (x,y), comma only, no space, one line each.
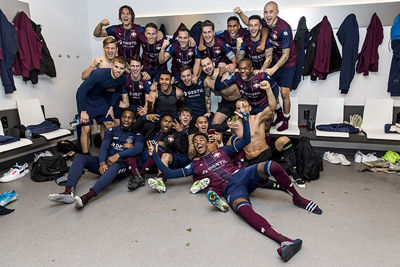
(217,201)
(199,185)
(343,160)
(8,197)
(331,158)
(299,183)
(157,184)
(289,249)
(135,182)
(358,156)
(15,172)
(369,157)
(62,197)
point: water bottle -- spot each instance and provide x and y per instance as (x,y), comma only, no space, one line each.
(75,122)
(28,134)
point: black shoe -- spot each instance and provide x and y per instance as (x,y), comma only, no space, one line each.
(135,182)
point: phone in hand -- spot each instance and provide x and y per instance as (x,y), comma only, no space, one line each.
(233,118)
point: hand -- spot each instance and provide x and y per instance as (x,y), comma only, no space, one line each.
(103,168)
(194,79)
(110,112)
(146,76)
(142,111)
(153,87)
(239,42)
(104,22)
(233,125)
(264,85)
(270,71)
(255,72)
(243,115)
(122,104)
(111,160)
(152,117)
(192,42)
(230,68)
(208,114)
(128,145)
(201,47)
(165,44)
(237,10)
(151,147)
(177,126)
(260,48)
(222,68)
(84,117)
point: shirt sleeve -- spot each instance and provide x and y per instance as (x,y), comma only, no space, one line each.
(273,84)
(236,146)
(110,31)
(172,174)
(228,51)
(147,86)
(285,38)
(171,49)
(105,144)
(219,85)
(83,90)
(136,150)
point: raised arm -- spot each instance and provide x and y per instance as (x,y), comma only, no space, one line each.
(163,56)
(242,16)
(268,59)
(268,112)
(99,31)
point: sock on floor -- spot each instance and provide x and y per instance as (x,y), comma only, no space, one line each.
(88,196)
(260,223)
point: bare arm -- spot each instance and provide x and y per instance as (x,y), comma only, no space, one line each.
(99,31)
(196,67)
(242,16)
(179,94)
(208,97)
(150,100)
(268,59)
(191,150)
(268,112)
(164,56)
(264,36)
(86,73)
(281,61)
(239,53)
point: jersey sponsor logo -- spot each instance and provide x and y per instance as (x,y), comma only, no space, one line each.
(115,137)
(118,147)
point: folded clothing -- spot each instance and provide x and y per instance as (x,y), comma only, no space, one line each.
(338,127)
(4,140)
(390,128)
(43,127)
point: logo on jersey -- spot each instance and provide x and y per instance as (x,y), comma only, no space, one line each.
(205,171)
(141,86)
(190,53)
(170,138)
(129,140)
(274,36)
(285,33)
(217,51)
(133,34)
(216,155)
(256,84)
(158,47)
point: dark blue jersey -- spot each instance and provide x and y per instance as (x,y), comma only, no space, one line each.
(94,89)
(250,49)
(233,41)
(114,140)
(137,90)
(195,97)
(150,53)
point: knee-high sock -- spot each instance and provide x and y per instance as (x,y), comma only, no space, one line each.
(150,162)
(132,166)
(272,168)
(290,158)
(260,223)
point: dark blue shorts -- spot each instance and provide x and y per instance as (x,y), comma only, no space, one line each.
(284,76)
(179,161)
(242,183)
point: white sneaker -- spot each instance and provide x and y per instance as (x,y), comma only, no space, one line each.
(15,172)
(343,160)
(331,158)
(369,157)
(358,156)
(157,184)
(199,185)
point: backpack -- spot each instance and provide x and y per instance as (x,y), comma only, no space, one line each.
(48,168)
(309,163)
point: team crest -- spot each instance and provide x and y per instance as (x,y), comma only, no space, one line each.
(274,36)
(140,86)
(216,155)
(217,51)
(170,138)
(133,34)
(256,84)
(285,33)
(190,53)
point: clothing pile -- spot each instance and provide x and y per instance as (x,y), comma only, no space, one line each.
(389,163)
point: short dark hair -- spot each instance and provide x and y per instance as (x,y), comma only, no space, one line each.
(185,109)
(166,72)
(167,115)
(128,110)
(205,56)
(255,17)
(151,25)
(207,23)
(119,59)
(183,29)
(246,59)
(130,11)
(200,133)
(184,68)
(233,18)
(135,58)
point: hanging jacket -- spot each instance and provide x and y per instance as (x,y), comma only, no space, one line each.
(301,40)
(369,57)
(394,74)
(46,61)
(8,48)
(29,46)
(348,35)
(311,49)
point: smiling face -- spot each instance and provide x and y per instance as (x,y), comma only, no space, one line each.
(183,39)
(126,17)
(271,13)
(233,28)
(165,82)
(117,69)
(200,144)
(254,27)
(110,50)
(186,77)
(185,118)
(202,124)
(245,70)
(208,34)
(136,68)
(243,106)
(151,34)
(127,119)
(207,65)
(166,124)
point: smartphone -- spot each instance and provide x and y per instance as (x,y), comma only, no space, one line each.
(233,119)
(211,131)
